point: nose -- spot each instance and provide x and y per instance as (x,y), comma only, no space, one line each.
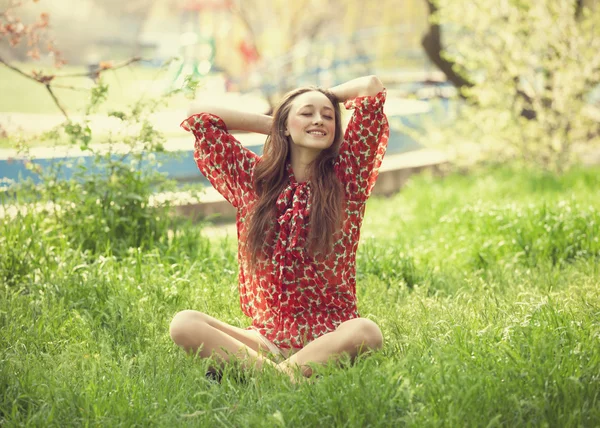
(318,119)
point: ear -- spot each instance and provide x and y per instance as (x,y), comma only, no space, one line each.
(287,133)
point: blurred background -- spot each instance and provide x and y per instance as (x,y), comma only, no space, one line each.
(243,45)
(509,79)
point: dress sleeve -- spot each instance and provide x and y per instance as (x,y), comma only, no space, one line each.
(364,145)
(220,157)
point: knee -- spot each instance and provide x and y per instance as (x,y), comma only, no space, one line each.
(368,334)
(185,328)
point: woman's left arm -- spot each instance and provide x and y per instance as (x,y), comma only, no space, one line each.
(360,87)
(366,136)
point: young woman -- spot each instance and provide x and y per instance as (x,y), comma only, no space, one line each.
(299,210)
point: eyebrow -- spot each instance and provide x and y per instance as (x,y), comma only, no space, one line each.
(310,105)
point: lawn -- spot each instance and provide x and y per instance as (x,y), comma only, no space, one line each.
(486,287)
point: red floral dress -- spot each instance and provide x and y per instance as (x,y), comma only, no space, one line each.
(295,297)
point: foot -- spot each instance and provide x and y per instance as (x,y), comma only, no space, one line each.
(293,372)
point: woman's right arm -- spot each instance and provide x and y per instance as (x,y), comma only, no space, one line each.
(359,87)
(236,120)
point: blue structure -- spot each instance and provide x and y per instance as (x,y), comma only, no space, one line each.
(178,163)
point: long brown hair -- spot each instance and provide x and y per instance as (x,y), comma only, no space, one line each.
(270,178)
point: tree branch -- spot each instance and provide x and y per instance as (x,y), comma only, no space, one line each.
(47,79)
(13,68)
(72,88)
(56,100)
(579,4)
(100,69)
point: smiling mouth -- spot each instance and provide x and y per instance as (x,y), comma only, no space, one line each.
(316,133)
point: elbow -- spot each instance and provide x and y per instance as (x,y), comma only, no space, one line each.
(374,85)
(370,86)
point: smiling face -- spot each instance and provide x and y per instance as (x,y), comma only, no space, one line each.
(311,121)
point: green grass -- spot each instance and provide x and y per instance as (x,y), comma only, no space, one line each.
(486,287)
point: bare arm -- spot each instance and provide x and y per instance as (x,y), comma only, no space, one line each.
(360,87)
(236,120)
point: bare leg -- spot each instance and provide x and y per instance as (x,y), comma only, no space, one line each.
(197,332)
(352,337)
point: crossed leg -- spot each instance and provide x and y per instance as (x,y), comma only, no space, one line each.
(195,331)
(352,337)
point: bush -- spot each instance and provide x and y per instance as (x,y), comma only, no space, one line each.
(533,66)
(105,207)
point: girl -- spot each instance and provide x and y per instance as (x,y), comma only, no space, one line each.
(299,211)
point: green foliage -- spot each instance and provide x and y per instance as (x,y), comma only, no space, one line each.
(533,66)
(190,86)
(80,134)
(98,95)
(106,207)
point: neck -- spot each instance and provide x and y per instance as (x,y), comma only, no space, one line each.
(301,158)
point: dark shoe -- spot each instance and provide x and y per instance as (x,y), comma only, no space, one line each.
(214,376)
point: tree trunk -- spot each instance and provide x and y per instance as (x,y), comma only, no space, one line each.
(432,43)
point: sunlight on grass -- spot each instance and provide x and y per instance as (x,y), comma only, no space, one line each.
(485,287)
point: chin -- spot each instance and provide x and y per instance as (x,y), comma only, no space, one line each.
(322,146)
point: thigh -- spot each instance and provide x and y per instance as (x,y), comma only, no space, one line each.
(247,337)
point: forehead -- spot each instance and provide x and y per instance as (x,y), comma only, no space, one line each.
(314,98)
